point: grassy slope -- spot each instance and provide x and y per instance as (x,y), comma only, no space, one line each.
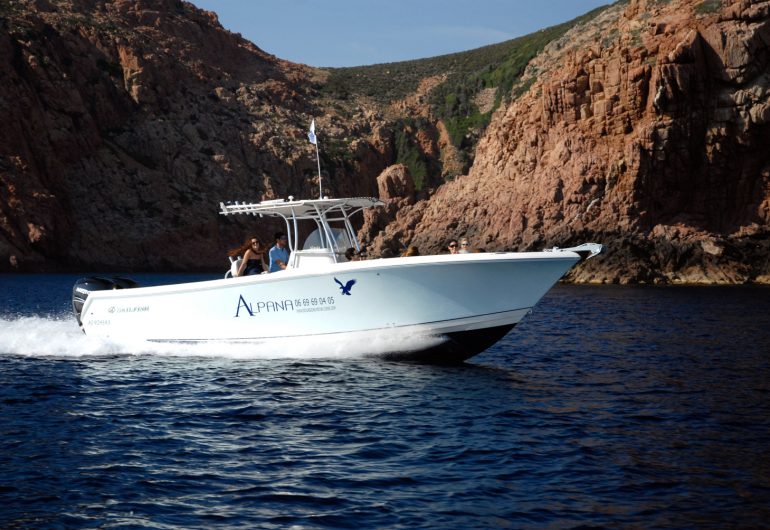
(498,66)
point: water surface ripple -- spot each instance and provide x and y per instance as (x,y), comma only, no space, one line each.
(610,407)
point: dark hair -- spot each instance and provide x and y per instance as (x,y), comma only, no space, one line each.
(278,235)
(240,251)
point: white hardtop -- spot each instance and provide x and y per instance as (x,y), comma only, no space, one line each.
(333,232)
(304,209)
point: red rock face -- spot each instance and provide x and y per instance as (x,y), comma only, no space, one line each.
(127,122)
(650,137)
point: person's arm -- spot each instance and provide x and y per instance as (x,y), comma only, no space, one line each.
(281,263)
(244,262)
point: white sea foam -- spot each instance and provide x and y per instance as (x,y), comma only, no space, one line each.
(61,337)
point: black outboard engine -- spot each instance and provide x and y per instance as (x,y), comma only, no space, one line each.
(85,286)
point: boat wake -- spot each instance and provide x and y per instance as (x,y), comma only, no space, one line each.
(61,337)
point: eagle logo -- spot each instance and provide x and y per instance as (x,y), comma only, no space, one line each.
(345,288)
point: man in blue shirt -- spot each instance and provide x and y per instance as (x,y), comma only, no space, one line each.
(279,254)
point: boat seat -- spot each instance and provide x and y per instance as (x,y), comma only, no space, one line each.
(235,264)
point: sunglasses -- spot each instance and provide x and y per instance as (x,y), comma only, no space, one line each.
(452,245)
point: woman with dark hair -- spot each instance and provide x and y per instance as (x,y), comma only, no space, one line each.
(253,257)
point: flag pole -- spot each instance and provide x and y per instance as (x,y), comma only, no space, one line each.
(318,159)
(314,140)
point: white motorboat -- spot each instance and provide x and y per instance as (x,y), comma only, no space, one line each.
(463,302)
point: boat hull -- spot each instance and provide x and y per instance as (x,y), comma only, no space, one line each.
(460,305)
(455,348)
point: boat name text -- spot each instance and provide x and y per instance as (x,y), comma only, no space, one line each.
(299,305)
(129,309)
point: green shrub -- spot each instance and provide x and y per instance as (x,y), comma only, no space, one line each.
(408,152)
(708,6)
(496,65)
(499,66)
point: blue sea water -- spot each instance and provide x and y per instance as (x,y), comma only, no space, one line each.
(609,407)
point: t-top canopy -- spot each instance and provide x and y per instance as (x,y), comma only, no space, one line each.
(307,209)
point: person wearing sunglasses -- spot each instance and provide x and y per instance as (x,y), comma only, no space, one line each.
(253,253)
(279,254)
(464,247)
(452,246)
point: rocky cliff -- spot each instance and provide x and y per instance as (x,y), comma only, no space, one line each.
(126,122)
(647,130)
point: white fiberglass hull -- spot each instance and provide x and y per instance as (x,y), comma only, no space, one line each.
(469,301)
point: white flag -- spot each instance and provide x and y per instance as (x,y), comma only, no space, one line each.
(311,134)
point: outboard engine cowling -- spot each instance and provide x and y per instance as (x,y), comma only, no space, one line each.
(85,286)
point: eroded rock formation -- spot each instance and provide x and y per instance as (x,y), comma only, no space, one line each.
(127,122)
(646,131)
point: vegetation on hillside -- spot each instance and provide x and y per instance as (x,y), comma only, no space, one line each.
(408,152)
(453,101)
(498,67)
